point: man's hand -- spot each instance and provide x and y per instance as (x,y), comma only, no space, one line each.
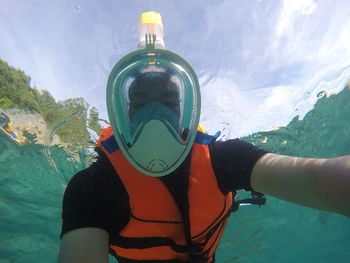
(317,183)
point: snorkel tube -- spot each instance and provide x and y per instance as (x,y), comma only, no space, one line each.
(150,25)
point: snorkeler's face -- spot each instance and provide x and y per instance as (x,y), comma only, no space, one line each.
(161,90)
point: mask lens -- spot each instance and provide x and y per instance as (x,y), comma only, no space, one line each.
(154,92)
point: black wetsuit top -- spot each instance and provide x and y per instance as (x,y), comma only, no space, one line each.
(95,197)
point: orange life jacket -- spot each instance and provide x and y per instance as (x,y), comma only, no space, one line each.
(157,229)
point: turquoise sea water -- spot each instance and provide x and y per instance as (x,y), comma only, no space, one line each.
(33,179)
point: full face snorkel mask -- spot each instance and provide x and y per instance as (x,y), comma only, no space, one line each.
(153,102)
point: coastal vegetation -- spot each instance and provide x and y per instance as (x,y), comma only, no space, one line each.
(69,118)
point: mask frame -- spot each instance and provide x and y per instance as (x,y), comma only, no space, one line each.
(117,108)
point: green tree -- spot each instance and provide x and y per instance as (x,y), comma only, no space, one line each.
(15,90)
(93,122)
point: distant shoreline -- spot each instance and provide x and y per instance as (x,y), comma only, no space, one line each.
(32,123)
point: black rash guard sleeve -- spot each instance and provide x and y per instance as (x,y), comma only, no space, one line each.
(233,162)
(95,197)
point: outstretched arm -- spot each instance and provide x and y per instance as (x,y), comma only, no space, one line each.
(317,183)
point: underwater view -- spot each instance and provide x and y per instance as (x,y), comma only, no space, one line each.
(272,73)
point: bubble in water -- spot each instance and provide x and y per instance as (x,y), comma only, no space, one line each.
(321,94)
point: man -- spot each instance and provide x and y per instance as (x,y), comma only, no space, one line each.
(161,189)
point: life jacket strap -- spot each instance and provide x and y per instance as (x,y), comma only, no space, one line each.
(193,259)
(148,242)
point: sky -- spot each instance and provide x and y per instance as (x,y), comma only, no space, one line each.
(259,62)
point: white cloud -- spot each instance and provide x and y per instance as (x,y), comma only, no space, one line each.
(291,10)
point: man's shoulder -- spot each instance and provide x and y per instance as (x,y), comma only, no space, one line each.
(99,174)
(233,161)
(219,147)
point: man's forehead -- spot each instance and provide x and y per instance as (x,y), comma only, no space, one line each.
(154,82)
